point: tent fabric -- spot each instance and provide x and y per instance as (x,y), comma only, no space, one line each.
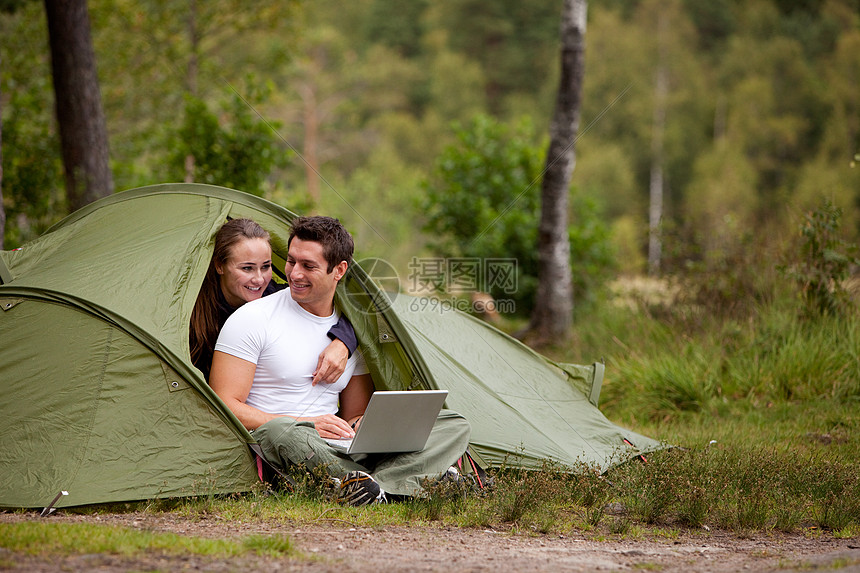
(524,409)
(101,399)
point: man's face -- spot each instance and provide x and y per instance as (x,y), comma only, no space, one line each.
(311,285)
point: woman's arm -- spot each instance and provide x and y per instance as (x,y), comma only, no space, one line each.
(332,361)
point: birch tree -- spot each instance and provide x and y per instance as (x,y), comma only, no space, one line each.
(553,313)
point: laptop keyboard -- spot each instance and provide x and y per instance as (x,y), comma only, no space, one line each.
(344,443)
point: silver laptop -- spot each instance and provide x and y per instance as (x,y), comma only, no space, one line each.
(395,421)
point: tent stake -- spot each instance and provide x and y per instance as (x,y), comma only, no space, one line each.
(50,509)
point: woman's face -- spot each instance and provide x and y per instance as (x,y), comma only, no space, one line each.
(247,271)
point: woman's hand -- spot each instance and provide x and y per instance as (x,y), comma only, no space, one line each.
(331,363)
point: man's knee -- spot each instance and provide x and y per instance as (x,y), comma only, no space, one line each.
(455,424)
(286,442)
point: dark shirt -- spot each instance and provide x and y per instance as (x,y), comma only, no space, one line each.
(342,331)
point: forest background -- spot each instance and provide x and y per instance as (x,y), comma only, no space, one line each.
(710,133)
(359,111)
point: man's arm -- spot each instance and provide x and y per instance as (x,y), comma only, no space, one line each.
(354,398)
(231,379)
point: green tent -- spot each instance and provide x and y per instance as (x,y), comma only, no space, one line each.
(101,401)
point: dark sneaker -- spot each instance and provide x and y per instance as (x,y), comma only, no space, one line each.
(358,488)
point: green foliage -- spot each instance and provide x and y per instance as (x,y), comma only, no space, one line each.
(668,383)
(807,22)
(825,262)
(10,6)
(397,25)
(726,275)
(32,172)
(238,152)
(740,487)
(791,360)
(390,186)
(483,200)
(777,108)
(592,254)
(761,114)
(277,546)
(515,42)
(713,20)
(520,494)
(667,372)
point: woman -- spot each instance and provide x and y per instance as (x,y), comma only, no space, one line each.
(241,271)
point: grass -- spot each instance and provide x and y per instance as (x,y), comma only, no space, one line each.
(765,409)
(44,537)
(764,406)
(771,356)
(745,472)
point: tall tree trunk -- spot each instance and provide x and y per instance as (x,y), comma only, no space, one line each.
(191,75)
(83,134)
(553,313)
(655,210)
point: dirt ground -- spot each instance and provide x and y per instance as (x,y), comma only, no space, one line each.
(338,547)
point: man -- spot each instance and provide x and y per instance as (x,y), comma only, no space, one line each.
(263,370)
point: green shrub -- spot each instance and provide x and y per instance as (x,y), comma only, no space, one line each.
(483,202)
(824,264)
(231,146)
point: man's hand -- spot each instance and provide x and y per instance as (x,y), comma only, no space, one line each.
(330,426)
(331,363)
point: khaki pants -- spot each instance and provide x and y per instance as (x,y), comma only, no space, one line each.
(286,442)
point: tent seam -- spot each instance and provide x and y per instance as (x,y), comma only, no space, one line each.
(100,385)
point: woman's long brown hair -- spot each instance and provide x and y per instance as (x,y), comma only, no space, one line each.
(204,318)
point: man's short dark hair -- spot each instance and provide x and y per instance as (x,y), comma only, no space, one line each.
(335,239)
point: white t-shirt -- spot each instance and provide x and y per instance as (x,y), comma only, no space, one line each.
(285,341)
